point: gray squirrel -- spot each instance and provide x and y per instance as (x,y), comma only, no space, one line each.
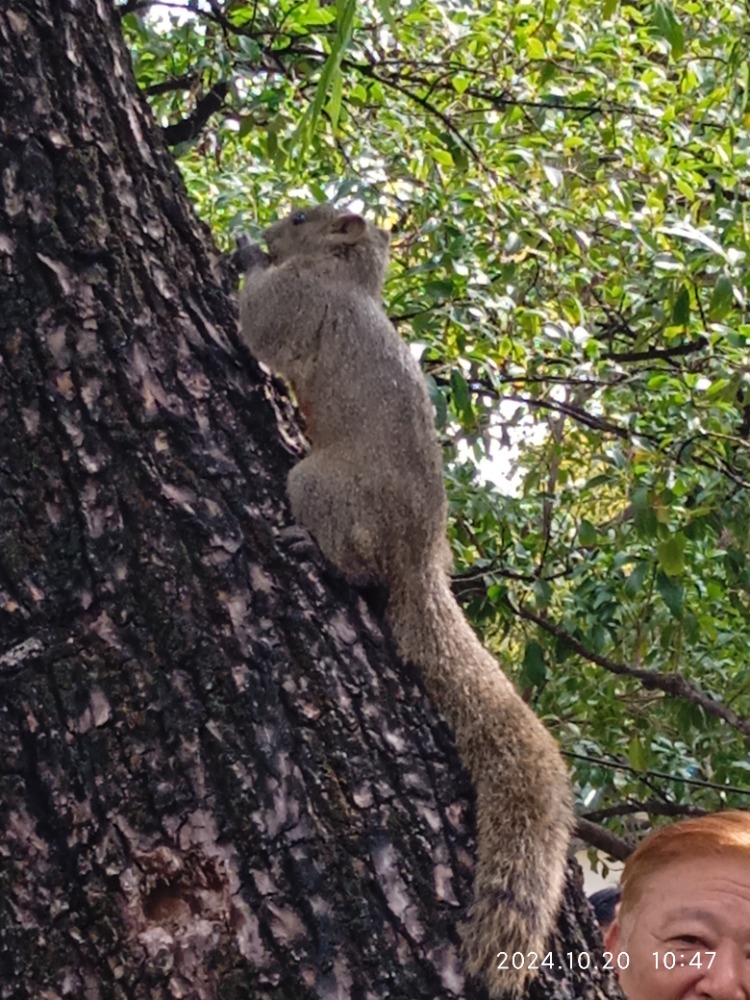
(371,493)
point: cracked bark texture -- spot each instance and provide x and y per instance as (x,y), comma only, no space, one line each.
(215,779)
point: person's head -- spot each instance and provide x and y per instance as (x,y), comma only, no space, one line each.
(683,925)
(604,903)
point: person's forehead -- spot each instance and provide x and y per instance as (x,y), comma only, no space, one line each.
(684,884)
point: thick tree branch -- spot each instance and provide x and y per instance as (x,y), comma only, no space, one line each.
(618,765)
(134,7)
(604,840)
(368,70)
(661,353)
(577,413)
(191,126)
(168,86)
(674,685)
(716,463)
(651,806)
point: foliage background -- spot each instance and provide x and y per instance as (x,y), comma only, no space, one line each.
(567,185)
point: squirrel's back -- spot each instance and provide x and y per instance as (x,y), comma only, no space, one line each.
(315,315)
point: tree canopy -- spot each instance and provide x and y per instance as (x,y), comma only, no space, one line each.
(567,185)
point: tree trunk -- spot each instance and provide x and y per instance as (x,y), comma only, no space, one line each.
(216,780)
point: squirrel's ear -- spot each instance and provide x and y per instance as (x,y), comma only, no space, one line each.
(348,228)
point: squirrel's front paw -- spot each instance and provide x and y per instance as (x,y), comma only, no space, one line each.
(248,256)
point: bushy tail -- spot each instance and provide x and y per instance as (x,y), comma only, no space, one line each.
(524,811)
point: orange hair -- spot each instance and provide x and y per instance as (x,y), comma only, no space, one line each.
(715,835)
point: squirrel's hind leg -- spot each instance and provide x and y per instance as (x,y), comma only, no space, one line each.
(326,498)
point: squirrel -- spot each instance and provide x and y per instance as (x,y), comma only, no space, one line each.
(372,494)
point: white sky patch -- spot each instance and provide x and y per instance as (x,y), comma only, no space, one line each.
(499,467)
(165,14)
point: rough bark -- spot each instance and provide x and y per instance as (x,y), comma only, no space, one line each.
(215,779)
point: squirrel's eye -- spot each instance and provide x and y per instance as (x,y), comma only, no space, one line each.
(299,218)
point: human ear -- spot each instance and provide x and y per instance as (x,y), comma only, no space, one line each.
(613,942)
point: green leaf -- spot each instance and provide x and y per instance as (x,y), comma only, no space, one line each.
(345,20)
(535,48)
(638,756)
(672,593)
(249,48)
(634,582)
(437,398)
(442,156)
(461,395)
(643,513)
(681,308)
(671,555)
(722,298)
(690,717)
(744,77)
(669,27)
(542,593)
(534,669)
(687,231)
(334,103)
(718,387)
(587,533)
(316,16)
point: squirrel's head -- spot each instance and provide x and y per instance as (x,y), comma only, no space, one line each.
(323,229)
